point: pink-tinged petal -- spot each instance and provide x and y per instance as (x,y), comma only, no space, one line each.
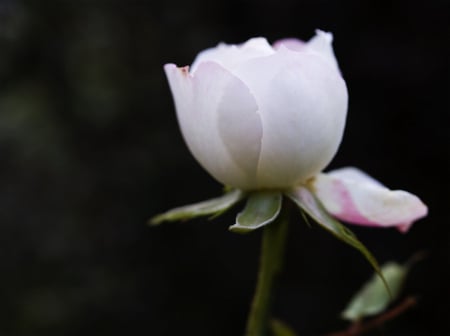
(230,56)
(302,104)
(321,44)
(290,43)
(354,197)
(202,101)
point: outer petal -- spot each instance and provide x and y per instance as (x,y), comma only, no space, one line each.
(322,44)
(213,106)
(230,56)
(302,103)
(354,197)
(240,129)
(290,43)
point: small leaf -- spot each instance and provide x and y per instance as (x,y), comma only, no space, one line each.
(372,298)
(309,203)
(215,206)
(261,209)
(280,328)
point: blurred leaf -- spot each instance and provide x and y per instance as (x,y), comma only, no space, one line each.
(309,203)
(279,328)
(261,209)
(372,298)
(210,207)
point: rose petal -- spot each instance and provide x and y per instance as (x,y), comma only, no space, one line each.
(322,44)
(207,104)
(230,56)
(302,103)
(240,127)
(354,197)
(290,43)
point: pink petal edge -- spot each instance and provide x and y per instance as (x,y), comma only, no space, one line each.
(290,43)
(352,196)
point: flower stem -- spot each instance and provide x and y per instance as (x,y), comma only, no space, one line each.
(272,251)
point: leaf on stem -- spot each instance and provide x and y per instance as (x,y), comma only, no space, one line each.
(261,209)
(309,203)
(372,298)
(215,207)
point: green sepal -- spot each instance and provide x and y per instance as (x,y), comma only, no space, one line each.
(261,209)
(280,328)
(214,207)
(310,204)
(372,298)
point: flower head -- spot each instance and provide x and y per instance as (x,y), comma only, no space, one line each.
(258,116)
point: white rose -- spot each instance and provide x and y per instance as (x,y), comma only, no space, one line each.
(258,116)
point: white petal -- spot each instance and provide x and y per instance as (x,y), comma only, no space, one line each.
(322,44)
(255,47)
(220,54)
(212,107)
(290,43)
(354,174)
(302,103)
(230,56)
(240,127)
(353,196)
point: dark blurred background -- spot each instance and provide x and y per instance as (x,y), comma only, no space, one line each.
(90,149)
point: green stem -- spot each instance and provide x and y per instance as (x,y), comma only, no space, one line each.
(272,251)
